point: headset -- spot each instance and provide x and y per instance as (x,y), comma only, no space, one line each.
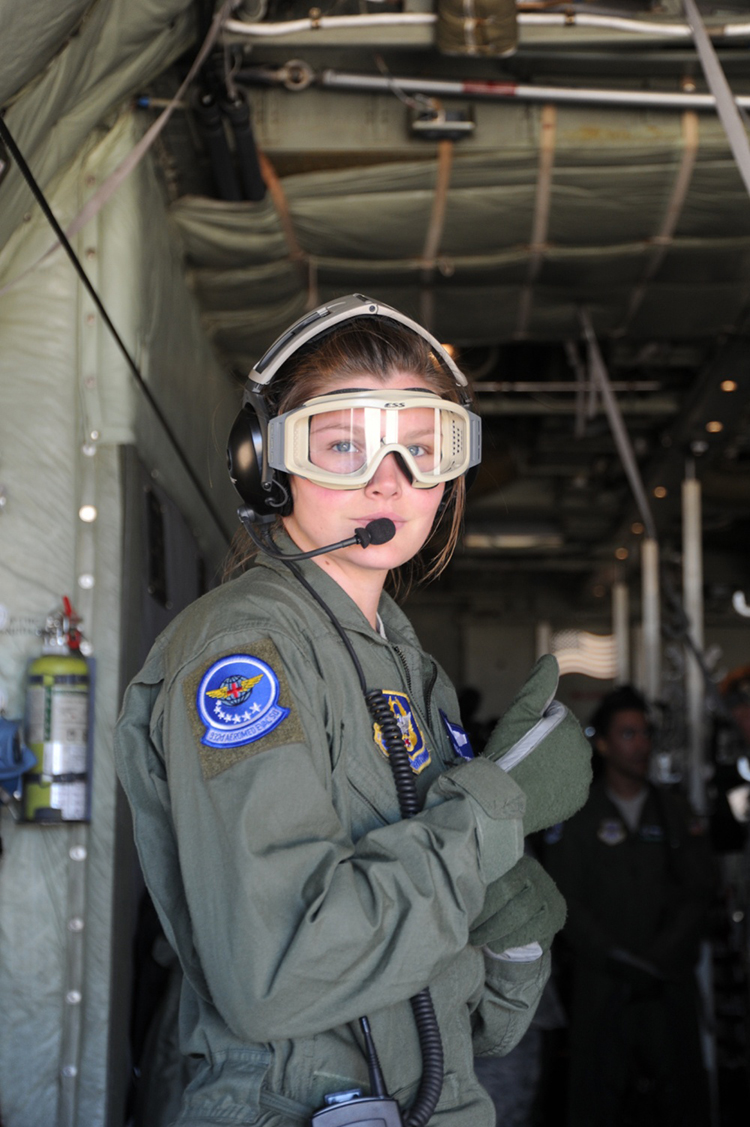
(264,489)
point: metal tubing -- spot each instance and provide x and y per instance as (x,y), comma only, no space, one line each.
(726,108)
(619,430)
(651,619)
(621,631)
(510,91)
(692,587)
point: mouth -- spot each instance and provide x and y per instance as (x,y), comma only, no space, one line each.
(397,520)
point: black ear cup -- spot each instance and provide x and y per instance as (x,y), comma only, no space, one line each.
(245,464)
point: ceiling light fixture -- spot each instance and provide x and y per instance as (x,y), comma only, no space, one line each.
(714,426)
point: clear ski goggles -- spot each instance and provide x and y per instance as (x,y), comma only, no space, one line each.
(339,440)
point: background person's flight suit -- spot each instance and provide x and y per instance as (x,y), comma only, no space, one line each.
(644,892)
(295,896)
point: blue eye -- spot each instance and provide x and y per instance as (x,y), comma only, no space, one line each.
(344,447)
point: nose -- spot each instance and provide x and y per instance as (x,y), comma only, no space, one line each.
(389,477)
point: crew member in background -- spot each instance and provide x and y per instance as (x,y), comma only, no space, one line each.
(730,786)
(636,869)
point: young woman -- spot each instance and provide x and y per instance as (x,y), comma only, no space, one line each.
(256,749)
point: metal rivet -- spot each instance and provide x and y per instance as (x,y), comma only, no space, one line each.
(78,853)
(69,1070)
(75,924)
(73,997)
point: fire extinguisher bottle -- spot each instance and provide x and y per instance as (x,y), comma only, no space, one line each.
(57,722)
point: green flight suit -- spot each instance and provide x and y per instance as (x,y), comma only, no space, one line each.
(293,893)
(646,892)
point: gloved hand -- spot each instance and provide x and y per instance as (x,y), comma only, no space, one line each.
(522,906)
(540,743)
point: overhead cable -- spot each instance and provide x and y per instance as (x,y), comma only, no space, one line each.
(41,199)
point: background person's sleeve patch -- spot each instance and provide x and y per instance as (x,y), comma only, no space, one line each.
(240,704)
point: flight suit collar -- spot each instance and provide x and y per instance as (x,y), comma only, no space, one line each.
(397,626)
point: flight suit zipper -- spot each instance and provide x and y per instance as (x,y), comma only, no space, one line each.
(429,689)
(405,667)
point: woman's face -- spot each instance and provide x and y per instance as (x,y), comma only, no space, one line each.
(322,516)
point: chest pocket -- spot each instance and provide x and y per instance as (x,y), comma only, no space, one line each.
(372,790)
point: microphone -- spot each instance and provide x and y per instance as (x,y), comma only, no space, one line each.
(378,531)
(375,532)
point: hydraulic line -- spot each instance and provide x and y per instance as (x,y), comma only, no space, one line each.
(297,76)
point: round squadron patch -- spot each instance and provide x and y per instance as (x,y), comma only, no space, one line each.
(237,701)
(400,706)
(611,831)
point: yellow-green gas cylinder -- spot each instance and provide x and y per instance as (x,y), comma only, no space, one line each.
(57,723)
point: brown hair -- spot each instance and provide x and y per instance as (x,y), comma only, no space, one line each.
(377,347)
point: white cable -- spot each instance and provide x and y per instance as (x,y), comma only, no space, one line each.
(525,19)
(328,23)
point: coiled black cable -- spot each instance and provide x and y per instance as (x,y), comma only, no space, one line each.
(430,1041)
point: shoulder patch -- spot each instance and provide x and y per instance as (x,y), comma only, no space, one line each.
(400,706)
(239,705)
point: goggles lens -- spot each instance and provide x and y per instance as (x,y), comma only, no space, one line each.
(339,440)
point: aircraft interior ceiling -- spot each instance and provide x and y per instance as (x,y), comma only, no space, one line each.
(502,222)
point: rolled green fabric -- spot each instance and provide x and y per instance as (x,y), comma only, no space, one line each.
(522,906)
(540,743)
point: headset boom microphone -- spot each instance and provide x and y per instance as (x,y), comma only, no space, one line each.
(376,532)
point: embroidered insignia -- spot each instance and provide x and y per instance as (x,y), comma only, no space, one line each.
(611,831)
(460,742)
(651,833)
(553,834)
(237,700)
(400,706)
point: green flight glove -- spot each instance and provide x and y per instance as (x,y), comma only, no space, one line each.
(540,743)
(522,906)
